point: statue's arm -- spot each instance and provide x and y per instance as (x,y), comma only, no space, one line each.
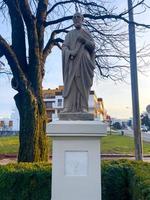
(71,52)
(66,43)
(90,45)
(66,47)
(76,50)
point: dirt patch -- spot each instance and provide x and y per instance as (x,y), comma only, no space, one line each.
(7,158)
(7,161)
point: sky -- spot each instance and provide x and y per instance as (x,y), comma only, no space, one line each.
(116,95)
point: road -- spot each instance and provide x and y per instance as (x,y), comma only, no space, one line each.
(145,135)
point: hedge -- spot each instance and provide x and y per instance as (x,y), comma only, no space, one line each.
(125,180)
(25,182)
(121,180)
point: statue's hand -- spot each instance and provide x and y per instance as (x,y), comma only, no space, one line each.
(71,57)
(81,39)
(73,53)
(89,46)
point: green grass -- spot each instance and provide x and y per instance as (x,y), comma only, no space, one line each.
(9,145)
(121,145)
(111,144)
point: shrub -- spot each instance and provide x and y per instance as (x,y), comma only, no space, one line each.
(125,180)
(121,180)
(116,181)
(25,182)
(141,179)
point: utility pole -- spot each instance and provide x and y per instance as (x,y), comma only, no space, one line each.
(134,86)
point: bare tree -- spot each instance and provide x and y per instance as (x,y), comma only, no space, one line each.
(29,48)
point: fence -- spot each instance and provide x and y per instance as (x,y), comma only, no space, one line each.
(8,133)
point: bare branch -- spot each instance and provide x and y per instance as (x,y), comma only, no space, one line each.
(13,63)
(41,18)
(109,30)
(57,43)
(85,3)
(52,41)
(136,5)
(57,40)
(57,4)
(3,70)
(18,33)
(58,20)
(100,17)
(33,42)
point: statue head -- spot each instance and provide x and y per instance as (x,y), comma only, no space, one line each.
(78,20)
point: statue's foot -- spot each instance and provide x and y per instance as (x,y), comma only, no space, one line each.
(84,111)
(69,110)
(65,110)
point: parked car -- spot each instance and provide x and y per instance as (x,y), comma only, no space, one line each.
(144,129)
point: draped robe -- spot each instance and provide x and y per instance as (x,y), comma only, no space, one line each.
(77,72)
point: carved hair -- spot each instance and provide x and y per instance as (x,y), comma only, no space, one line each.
(78,13)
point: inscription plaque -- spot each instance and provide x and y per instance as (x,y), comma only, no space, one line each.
(76,163)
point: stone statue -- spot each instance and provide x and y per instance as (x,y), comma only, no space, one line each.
(78,60)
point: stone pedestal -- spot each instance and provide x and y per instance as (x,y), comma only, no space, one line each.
(76,173)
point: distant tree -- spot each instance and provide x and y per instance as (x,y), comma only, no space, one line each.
(117,125)
(36,27)
(123,125)
(129,123)
(145,120)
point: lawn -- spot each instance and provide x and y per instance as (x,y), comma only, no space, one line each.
(9,145)
(111,144)
(121,145)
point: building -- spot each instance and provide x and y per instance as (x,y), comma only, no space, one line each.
(6,124)
(16,119)
(10,124)
(54,103)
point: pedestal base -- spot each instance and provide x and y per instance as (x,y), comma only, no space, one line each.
(76,173)
(76,116)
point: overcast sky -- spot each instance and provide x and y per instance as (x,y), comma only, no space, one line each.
(116,96)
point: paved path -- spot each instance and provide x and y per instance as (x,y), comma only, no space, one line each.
(7,160)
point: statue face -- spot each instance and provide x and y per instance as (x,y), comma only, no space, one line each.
(78,20)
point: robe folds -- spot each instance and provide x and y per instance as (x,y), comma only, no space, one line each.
(78,70)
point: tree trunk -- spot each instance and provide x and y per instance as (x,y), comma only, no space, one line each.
(32,136)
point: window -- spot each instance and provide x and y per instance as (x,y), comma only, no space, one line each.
(49,96)
(59,102)
(49,104)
